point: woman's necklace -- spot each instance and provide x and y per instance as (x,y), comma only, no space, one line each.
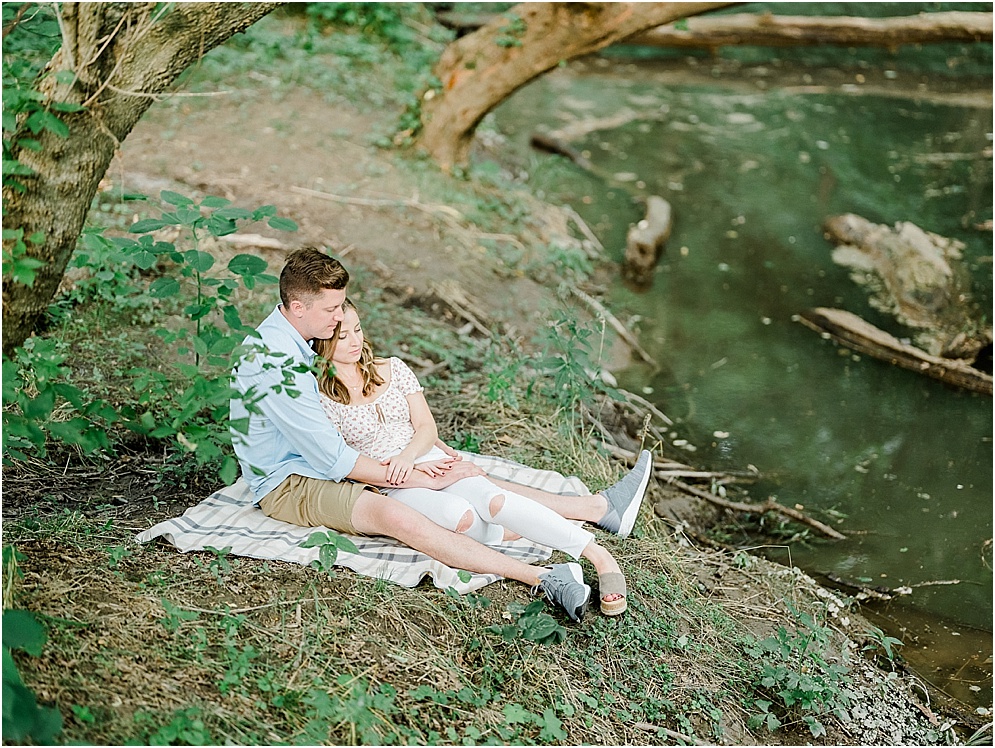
(352,387)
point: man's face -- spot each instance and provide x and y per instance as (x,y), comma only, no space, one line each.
(318,320)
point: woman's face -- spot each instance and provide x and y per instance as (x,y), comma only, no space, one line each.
(350,344)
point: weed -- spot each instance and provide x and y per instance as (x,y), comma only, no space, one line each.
(118,554)
(569,360)
(797,679)
(532,623)
(880,640)
(22,716)
(329,543)
(175,615)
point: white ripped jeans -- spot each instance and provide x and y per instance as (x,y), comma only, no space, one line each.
(521,515)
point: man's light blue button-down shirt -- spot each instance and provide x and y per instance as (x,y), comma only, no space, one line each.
(293,436)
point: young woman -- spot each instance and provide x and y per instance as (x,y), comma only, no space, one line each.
(379,408)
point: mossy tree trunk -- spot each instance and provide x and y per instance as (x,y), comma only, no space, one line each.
(115,60)
(482,69)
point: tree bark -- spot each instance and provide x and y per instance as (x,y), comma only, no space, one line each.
(123,55)
(483,68)
(769,30)
(766,30)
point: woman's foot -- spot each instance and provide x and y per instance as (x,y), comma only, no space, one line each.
(611,581)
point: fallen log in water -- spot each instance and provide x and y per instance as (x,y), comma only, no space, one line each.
(850,330)
(645,240)
(918,277)
(765,29)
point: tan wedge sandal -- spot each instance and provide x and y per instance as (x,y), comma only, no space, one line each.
(612,583)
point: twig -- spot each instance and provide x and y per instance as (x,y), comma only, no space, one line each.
(612,320)
(648,405)
(768,506)
(668,732)
(584,228)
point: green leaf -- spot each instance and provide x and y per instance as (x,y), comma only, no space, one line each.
(233,213)
(174,198)
(199,261)
(245,264)
(21,630)
(219,226)
(213,201)
(282,224)
(146,225)
(162,288)
(315,539)
(263,212)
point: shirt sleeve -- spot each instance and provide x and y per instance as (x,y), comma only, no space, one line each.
(290,400)
(404,379)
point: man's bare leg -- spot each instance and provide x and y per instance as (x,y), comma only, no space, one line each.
(376,514)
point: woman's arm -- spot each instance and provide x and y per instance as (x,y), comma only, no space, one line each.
(400,465)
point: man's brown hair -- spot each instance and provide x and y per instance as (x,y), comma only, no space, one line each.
(307,273)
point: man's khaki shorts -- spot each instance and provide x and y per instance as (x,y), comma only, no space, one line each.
(313,502)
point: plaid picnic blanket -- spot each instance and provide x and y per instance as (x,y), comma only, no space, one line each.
(229,518)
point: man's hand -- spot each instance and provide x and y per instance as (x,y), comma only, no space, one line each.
(459,471)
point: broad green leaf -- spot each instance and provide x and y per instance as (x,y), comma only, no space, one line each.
(198,260)
(146,225)
(233,213)
(219,226)
(282,224)
(263,212)
(162,288)
(213,201)
(21,630)
(174,198)
(245,264)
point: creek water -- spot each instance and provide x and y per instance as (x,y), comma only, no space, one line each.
(753,161)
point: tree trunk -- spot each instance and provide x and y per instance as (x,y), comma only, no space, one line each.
(123,55)
(483,68)
(768,30)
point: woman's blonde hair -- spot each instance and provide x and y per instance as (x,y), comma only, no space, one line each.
(328,382)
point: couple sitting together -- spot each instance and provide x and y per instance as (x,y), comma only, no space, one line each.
(356,449)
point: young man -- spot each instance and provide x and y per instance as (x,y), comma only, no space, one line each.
(300,469)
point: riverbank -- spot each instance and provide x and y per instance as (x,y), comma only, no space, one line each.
(460,275)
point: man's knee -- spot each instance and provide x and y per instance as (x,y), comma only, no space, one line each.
(496,505)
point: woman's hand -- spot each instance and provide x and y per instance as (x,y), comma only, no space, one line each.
(448,450)
(435,467)
(399,468)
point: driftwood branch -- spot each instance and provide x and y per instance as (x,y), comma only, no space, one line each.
(766,30)
(617,326)
(850,330)
(768,506)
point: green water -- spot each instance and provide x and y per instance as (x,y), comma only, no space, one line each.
(752,172)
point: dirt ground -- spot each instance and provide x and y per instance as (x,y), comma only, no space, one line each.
(254,153)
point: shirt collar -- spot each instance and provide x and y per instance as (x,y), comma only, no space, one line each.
(283,323)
